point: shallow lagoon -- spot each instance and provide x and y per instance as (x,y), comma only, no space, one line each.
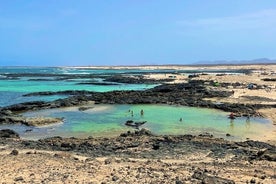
(108,120)
(11,91)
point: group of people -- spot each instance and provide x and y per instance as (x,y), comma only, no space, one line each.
(233,116)
(132,114)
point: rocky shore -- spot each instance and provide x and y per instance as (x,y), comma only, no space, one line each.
(193,93)
(136,157)
(140,156)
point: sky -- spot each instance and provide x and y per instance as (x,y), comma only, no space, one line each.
(135,32)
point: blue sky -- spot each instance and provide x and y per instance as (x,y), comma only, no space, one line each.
(135,32)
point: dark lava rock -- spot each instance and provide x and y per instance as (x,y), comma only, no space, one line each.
(269,154)
(108,161)
(253,180)
(257,144)
(7,133)
(156,146)
(20,178)
(193,76)
(85,108)
(269,79)
(67,146)
(178,182)
(143,131)
(134,124)
(25,106)
(66,92)
(135,80)
(204,178)
(206,134)
(115,178)
(14,152)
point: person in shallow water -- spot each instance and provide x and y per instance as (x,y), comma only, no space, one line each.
(231,115)
(180,119)
(142,112)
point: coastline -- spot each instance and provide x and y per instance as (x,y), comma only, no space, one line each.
(230,92)
(182,67)
(140,156)
(136,157)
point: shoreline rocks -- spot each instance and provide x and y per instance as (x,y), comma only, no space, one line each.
(42,121)
(143,144)
(191,94)
(187,94)
(140,79)
(7,133)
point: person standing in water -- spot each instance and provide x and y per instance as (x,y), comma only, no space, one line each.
(142,112)
(231,115)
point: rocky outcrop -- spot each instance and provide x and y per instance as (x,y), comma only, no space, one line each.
(22,107)
(41,121)
(191,94)
(8,117)
(134,124)
(269,79)
(143,144)
(67,92)
(206,177)
(140,79)
(7,133)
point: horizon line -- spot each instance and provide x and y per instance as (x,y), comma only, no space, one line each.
(145,65)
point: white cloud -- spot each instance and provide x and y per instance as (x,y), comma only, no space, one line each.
(265,19)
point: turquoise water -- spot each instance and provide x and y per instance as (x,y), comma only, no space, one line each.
(108,120)
(37,86)
(11,91)
(10,98)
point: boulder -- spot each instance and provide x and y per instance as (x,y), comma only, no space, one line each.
(41,121)
(7,133)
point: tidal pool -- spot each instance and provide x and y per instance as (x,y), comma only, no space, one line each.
(109,120)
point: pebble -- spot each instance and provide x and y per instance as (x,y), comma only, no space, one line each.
(14,152)
(115,178)
(178,182)
(20,178)
(108,161)
(253,180)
